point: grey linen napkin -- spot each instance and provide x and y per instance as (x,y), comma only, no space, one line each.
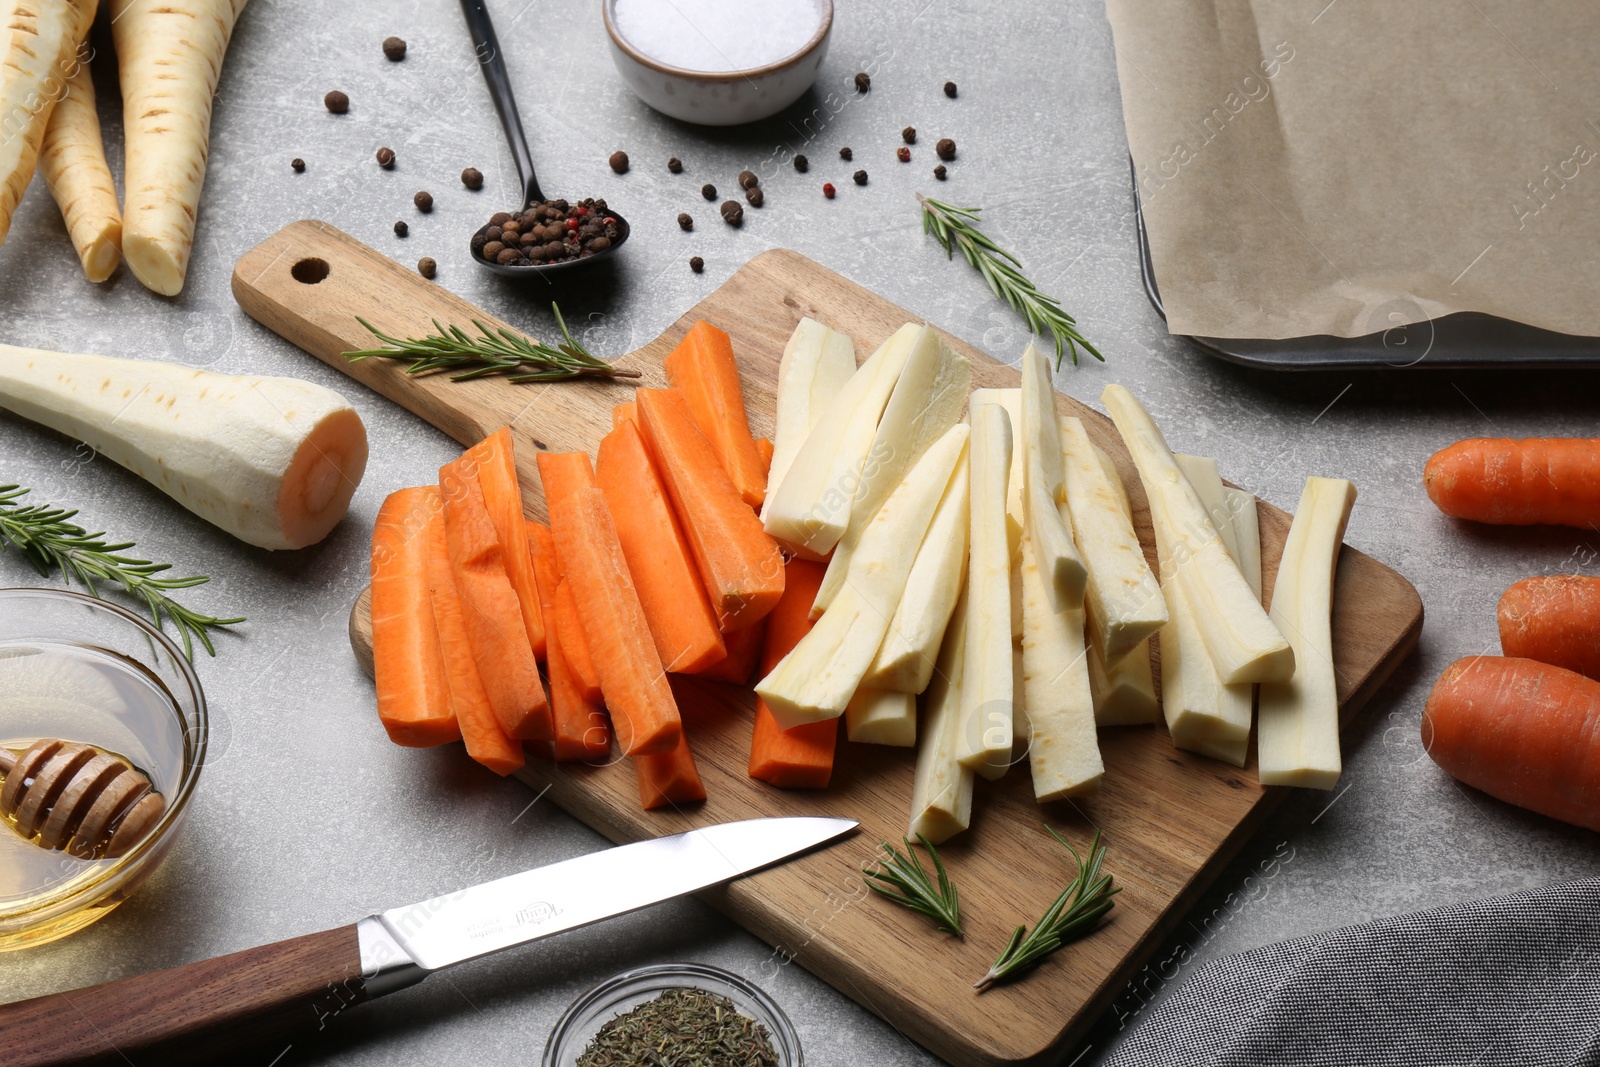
(1509,980)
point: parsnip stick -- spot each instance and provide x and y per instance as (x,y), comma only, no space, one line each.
(941,796)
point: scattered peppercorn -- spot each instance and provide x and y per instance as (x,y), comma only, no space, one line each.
(939,172)
(427,267)
(424,201)
(859,177)
(401,229)
(748,179)
(903,154)
(552,231)
(336,102)
(909,135)
(755,196)
(298,164)
(732,213)
(675,165)
(828,190)
(472,178)
(708,191)
(950,90)
(863,82)
(394,48)
(802,164)
(386,158)
(846,155)
(619,162)
(697,264)
(685,221)
(946,149)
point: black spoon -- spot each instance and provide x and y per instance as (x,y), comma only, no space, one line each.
(494,73)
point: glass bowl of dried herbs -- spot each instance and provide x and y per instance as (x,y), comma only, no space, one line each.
(683,1013)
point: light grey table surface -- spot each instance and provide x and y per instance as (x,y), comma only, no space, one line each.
(307,817)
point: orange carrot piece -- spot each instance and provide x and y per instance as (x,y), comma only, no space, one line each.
(1520,730)
(1518,483)
(492,612)
(764,450)
(670,778)
(583,732)
(739,562)
(496,462)
(624,412)
(1554,619)
(563,473)
(413,691)
(576,644)
(744,654)
(801,758)
(480,728)
(703,369)
(643,712)
(675,604)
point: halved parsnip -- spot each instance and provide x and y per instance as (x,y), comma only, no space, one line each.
(1246,535)
(941,794)
(816,364)
(38,42)
(881,717)
(987,692)
(905,661)
(1298,733)
(810,508)
(1044,487)
(1206,478)
(1242,642)
(1125,601)
(926,401)
(819,675)
(1063,751)
(1124,694)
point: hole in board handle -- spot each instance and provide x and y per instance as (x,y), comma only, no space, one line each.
(309,271)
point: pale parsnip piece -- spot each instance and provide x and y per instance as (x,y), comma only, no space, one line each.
(941,794)
(906,660)
(1206,478)
(1020,727)
(1125,601)
(810,508)
(38,47)
(1243,644)
(1016,506)
(73,163)
(817,678)
(1124,694)
(816,364)
(1044,487)
(1247,535)
(987,691)
(926,401)
(881,717)
(1063,751)
(1298,732)
(170,57)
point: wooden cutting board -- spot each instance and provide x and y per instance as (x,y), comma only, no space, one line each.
(1171,820)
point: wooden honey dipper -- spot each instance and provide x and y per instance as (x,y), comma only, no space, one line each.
(77,798)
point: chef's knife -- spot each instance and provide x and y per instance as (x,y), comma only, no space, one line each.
(263,997)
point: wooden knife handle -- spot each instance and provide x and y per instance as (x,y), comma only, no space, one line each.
(259,1000)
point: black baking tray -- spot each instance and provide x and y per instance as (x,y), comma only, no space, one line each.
(1465,339)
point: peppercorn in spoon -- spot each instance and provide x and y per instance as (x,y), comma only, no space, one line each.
(542,236)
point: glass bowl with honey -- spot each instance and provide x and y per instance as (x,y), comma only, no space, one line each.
(130,718)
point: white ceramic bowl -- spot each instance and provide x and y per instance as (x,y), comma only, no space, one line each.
(720,98)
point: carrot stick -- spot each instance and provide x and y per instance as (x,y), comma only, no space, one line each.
(675,604)
(492,613)
(643,711)
(624,412)
(563,473)
(764,449)
(1518,483)
(582,731)
(670,778)
(1523,731)
(413,691)
(744,653)
(801,758)
(495,459)
(703,369)
(480,729)
(576,644)
(739,562)
(1554,619)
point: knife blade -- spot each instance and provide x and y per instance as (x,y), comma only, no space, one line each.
(263,997)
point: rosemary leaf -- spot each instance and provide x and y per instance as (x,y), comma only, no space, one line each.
(957,227)
(902,879)
(48,539)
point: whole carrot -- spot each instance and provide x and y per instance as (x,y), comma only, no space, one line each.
(1554,619)
(1520,730)
(1536,480)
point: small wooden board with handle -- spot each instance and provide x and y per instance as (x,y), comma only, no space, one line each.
(1171,820)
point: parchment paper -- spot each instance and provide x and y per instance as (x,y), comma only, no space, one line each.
(1342,168)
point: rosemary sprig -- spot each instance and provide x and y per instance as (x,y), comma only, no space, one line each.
(497,351)
(1073,914)
(48,538)
(957,227)
(903,880)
